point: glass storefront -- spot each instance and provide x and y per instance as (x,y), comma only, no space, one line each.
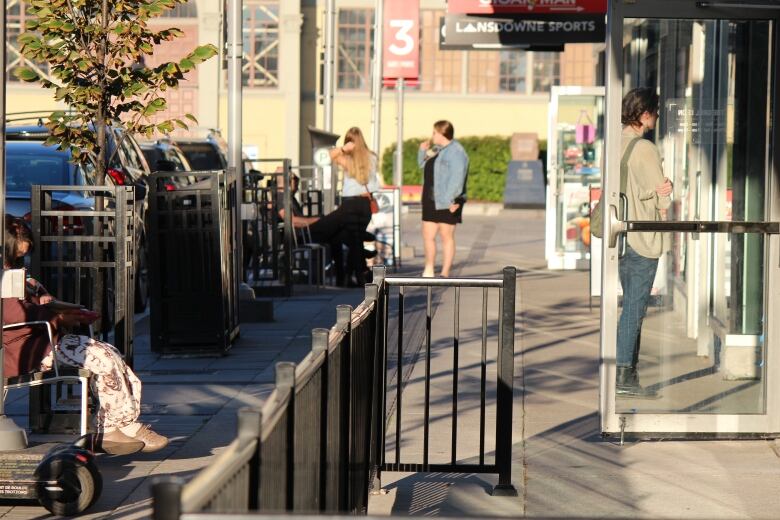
(700,361)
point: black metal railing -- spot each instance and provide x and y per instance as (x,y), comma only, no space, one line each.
(268,239)
(392,404)
(194,270)
(80,250)
(308,449)
(319,443)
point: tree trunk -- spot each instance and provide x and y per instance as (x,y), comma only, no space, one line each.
(102,142)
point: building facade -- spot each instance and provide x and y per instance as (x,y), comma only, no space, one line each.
(481,92)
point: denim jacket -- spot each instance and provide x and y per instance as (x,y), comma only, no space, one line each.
(449,174)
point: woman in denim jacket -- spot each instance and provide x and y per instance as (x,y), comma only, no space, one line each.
(445,165)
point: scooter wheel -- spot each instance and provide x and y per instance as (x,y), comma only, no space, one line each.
(77,489)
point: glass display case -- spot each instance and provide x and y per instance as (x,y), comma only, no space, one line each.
(574,158)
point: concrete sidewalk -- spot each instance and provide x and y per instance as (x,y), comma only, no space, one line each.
(194,401)
(562,468)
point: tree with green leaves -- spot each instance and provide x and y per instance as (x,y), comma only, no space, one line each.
(96,50)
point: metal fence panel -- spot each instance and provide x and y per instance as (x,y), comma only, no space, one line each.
(268,239)
(322,437)
(506,287)
(77,248)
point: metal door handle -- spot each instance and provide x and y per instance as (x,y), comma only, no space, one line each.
(615,226)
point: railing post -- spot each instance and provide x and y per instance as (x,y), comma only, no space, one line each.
(505,387)
(166,497)
(378,402)
(319,346)
(344,322)
(285,382)
(378,273)
(250,422)
(343,315)
(372,292)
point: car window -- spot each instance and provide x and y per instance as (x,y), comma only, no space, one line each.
(182,159)
(174,158)
(152,156)
(202,156)
(136,152)
(24,170)
(131,154)
(85,174)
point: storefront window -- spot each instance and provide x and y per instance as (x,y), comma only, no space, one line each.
(547,71)
(355,38)
(513,73)
(440,71)
(16,17)
(261,44)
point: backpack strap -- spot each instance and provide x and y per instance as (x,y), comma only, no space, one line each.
(624,164)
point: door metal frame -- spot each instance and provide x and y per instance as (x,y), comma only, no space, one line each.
(683,424)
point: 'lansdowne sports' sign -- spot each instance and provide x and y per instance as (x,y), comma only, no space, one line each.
(527,6)
(525,30)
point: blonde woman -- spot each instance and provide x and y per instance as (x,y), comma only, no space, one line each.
(360,180)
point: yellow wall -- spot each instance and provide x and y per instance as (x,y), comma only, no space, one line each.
(265,125)
(470,115)
(28,98)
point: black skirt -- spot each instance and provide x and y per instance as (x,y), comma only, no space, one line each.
(429,211)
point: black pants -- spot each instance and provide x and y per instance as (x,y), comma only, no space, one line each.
(345,226)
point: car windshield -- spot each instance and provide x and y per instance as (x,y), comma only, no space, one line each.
(23,171)
(202,156)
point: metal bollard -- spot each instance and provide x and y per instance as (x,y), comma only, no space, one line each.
(166,498)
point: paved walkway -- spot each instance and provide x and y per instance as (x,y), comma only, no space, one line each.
(194,401)
(561,465)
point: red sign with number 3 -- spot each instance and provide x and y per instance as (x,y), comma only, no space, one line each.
(401,53)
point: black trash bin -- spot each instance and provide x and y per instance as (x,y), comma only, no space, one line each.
(193,263)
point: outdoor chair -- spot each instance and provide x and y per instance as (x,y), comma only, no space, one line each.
(41,412)
(313,254)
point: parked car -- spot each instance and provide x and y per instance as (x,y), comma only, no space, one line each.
(164,155)
(209,153)
(30,162)
(25,153)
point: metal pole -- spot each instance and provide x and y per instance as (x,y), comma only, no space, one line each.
(235,52)
(505,391)
(398,174)
(11,436)
(376,78)
(329,64)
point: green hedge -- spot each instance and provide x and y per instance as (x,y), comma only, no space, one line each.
(488,160)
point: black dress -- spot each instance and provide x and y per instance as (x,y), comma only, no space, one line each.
(429,211)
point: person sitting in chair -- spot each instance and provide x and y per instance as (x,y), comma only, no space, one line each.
(330,229)
(116,387)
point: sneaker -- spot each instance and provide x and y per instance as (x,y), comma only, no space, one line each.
(427,274)
(152,440)
(116,443)
(628,385)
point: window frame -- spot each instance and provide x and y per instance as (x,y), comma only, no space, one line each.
(341,53)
